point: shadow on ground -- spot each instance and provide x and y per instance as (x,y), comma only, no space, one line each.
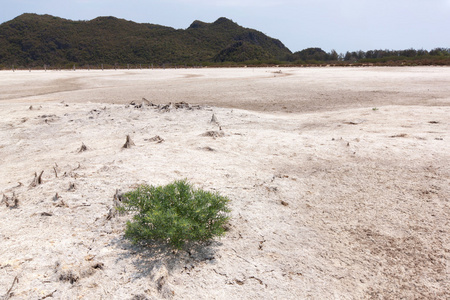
(150,256)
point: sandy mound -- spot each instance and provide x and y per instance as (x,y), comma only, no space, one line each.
(350,203)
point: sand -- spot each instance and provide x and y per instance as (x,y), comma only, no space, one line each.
(338,180)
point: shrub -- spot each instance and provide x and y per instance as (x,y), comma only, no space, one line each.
(175,213)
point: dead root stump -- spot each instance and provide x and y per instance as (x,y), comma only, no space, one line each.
(157,139)
(82,148)
(214,119)
(117,199)
(214,134)
(72,273)
(12,202)
(37,180)
(128,143)
(71,187)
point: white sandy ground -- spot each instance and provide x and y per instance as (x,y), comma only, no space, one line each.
(339,180)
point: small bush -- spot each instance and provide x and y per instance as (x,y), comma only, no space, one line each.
(175,213)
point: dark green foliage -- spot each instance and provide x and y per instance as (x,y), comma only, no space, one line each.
(175,213)
(437,56)
(310,54)
(317,56)
(242,51)
(35,40)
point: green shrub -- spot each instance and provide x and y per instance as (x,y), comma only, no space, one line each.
(175,213)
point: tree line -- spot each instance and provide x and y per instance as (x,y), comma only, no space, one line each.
(437,56)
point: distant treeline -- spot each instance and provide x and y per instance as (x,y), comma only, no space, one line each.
(437,56)
(306,57)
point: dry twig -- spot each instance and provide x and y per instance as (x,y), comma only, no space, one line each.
(8,293)
(48,295)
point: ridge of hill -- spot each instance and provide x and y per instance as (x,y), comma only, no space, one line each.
(35,40)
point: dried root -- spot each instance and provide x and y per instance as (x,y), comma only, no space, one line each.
(5,200)
(12,202)
(182,104)
(61,203)
(214,134)
(49,295)
(214,120)
(128,143)
(37,180)
(82,148)
(56,197)
(72,273)
(71,187)
(157,139)
(146,101)
(166,108)
(207,148)
(117,199)
(9,293)
(15,200)
(143,103)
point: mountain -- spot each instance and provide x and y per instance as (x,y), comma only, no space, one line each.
(35,40)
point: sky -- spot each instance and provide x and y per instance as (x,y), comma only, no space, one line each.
(341,25)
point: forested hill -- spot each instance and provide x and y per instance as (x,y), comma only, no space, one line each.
(34,40)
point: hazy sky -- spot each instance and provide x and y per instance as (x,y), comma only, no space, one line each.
(329,24)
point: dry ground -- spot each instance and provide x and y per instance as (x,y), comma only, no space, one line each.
(339,181)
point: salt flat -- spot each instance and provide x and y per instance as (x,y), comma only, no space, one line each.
(338,180)
(262,89)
